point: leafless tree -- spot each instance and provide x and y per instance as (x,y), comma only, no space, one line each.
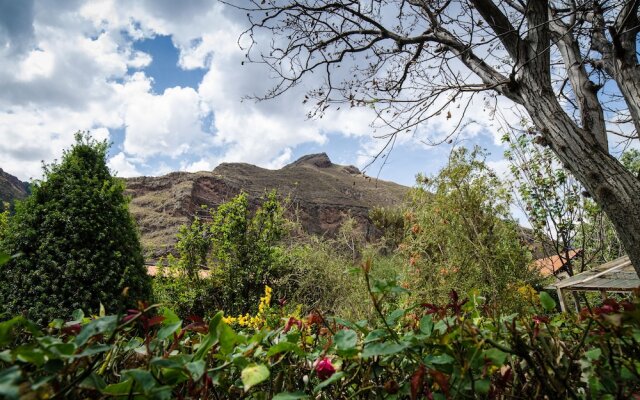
(572,65)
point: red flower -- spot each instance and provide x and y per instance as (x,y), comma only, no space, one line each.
(324,368)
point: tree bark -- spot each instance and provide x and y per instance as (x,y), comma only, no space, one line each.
(613,187)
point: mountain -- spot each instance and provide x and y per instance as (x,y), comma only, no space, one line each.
(322,194)
(11,188)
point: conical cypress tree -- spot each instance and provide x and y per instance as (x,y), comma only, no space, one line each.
(77,243)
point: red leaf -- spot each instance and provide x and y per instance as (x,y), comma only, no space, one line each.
(441,379)
(417,380)
(199,327)
(155,320)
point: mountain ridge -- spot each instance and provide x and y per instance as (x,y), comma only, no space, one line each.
(322,195)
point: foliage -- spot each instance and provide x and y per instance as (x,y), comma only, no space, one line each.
(193,246)
(4,222)
(631,160)
(79,246)
(550,195)
(323,276)
(562,215)
(245,251)
(461,236)
(424,351)
(184,292)
(391,223)
(225,260)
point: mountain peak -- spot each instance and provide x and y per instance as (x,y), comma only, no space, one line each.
(319,160)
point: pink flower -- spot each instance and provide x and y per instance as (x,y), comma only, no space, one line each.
(324,368)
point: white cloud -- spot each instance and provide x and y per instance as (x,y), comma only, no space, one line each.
(122,167)
(167,124)
(73,67)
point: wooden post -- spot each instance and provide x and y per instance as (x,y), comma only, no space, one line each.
(563,306)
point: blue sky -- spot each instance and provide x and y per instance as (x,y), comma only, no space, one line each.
(165,83)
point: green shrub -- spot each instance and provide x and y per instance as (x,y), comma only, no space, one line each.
(460,235)
(325,277)
(239,249)
(177,288)
(77,242)
(439,351)
(390,221)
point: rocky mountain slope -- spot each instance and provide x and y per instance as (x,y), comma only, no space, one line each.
(322,195)
(11,188)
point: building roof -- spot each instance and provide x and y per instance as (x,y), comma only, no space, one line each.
(552,265)
(618,275)
(615,276)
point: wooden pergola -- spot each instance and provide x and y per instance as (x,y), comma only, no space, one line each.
(617,276)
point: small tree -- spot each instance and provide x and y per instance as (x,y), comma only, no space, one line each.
(560,210)
(245,251)
(78,244)
(460,234)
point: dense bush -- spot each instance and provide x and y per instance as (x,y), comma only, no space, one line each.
(239,250)
(427,351)
(460,235)
(324,278)
(245,252)
(185,293)
(77,244)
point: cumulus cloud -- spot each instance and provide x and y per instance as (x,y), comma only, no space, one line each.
(73,65)
(122,167)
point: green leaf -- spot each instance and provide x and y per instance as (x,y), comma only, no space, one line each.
(253,375)
(97,327)
(209,339)
(376,335)
(227,338)
(7,327)
(62,349)
(5,356)
(392,318)
(442,359)
(284,347)
(95,349)
(31,355)
(382,349)
(77,315)
(482,386)
(496,356)
(143,378)
(334,378)
(170,317)
(93,381)
(593,354)
(9,380)
(426,324)
(168,329)
(196,369)
(346,339)
(547,301)
(4,258)
(290,396)
(121,388)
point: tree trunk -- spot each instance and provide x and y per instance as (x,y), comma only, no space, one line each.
(613,187)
